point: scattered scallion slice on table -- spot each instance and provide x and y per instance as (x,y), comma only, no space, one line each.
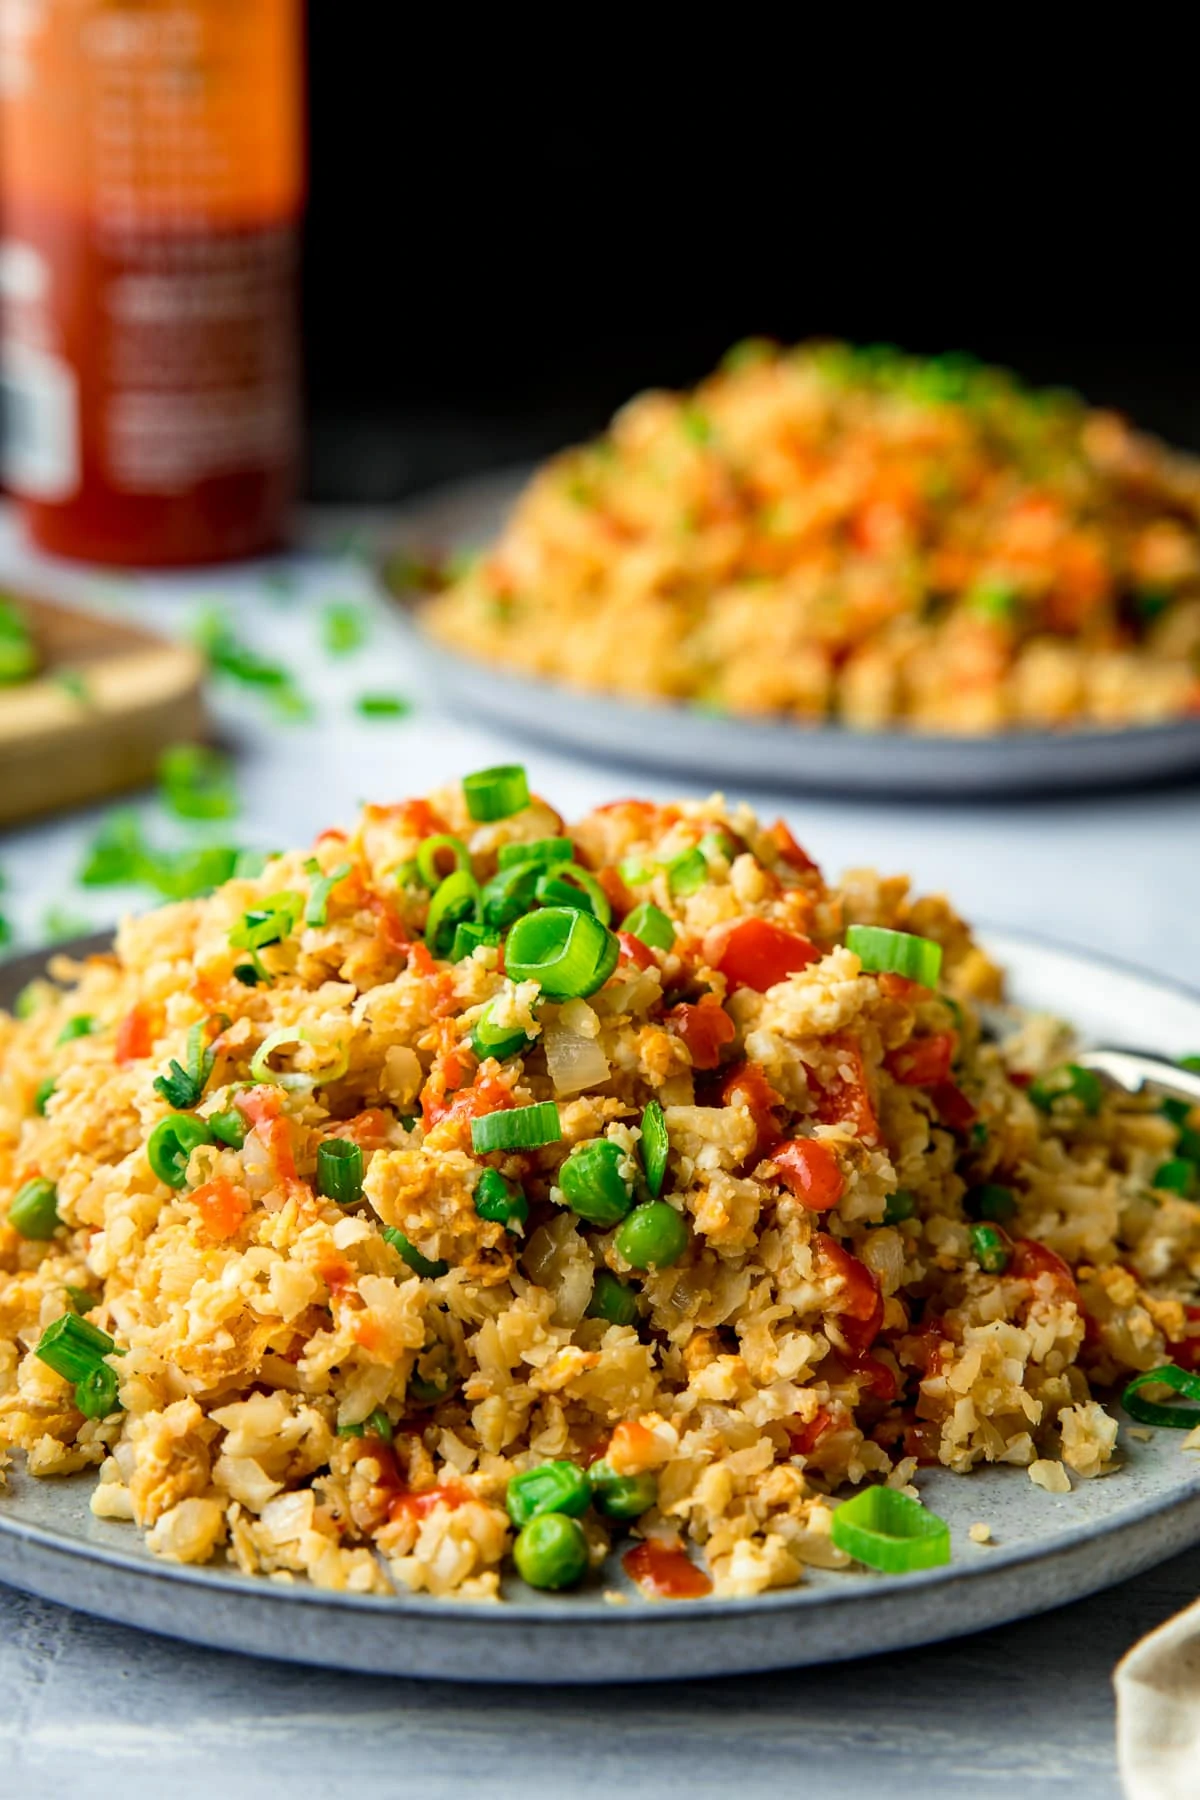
(496,793)
(890,1531)
(517,1128)
(1151,1412)
(882,951)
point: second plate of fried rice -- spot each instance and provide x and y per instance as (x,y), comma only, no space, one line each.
(582,1226)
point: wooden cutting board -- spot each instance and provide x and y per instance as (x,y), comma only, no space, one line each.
(106,701)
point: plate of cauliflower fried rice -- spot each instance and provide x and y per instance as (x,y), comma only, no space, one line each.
(835,567)
(482,1246)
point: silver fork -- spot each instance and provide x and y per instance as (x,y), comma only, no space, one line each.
(1133,1070)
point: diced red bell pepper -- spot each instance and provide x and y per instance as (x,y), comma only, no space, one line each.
(804,1441)
(1031,1260)
(758,953)
(952,1106)
(633,950)
(859,1305)
(222,1207)
(810,1169)
(845,1100)
(923,1061)
(790,851)
(747,1083)
(1185,1351)
(705,1029)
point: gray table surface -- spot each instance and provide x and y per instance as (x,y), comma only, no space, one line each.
(1026,1709)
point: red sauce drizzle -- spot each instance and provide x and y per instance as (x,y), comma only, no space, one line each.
(665,1572)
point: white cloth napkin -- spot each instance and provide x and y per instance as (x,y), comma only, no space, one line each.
(1158,1712)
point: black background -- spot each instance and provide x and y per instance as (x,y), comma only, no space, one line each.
(504,243)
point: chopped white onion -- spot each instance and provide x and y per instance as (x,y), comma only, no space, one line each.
(574,1062)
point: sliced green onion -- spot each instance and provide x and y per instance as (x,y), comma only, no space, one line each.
(380,1426)
(890,1531)
(182,1087)
(592,1184)
(96,1394)
(250,975)
(229,1128)
(612,1300)
(340,1171)
(649,923)
(990,1249)
(510,893)
(569,953)
(457,899)
(885,952)
(317,910)
(539,850)
(621,1496)
(653,1236)
(496,793)
(170,1145)
(687,872)
(293,1080)
(73,1347)
(81,1300)
(500,1201)
(34,1210)
(468,936)
(990,1201)
(518,1128)
(82,1025)
(404,1248)
(1176,1176)
(575,887)
(1067,1082)
(637,871)
(655,1145)
(500,1041)
(899,1206)
(428,867)
(559,1487)
(1148,1412)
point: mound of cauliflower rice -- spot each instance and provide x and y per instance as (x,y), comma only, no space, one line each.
(855,535)
(352,1223)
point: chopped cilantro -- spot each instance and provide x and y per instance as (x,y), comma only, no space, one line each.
(196,782)
(343,627)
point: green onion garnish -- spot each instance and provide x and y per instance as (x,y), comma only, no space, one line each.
(500,1041)
(343,627)
(183,1085)
(501,1201)
(655,1145)
(612,1300)
(82,1025)
(1148,1412)
(80,1299)
(382,706)
(73,1347)
(1176,1176)
(1068,1082)
(468,936)
(899,1206)
(517,1128)
(592,1184)
(340,1171)
(540,850)
(990,1201)
(649,923)
(170,1145)
(890,1531)
(496,793)
(229,1127)
(420,1265)
(96,1394)
(42,1093)
(510,893)
(885,952)
(687,872)
(569,953)
(457,899)
(431,871)
(274,919)
(573,886)
(34,1209)
(317,910)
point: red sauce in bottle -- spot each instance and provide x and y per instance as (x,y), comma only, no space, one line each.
(665,1572)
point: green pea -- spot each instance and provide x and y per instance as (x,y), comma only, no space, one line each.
(593,1185)
(171,1143)
(501,1201)
(990,1201)
(612,1300)
(1176,1176)
(553,1487)
(653,1236)
(551,1552)
(621,1496)
(82,1025)
(34,1209)
(900,1205)
(989,1248)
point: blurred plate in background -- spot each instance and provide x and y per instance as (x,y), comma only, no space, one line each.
(759,752)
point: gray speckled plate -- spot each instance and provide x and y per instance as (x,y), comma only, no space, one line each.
(757,752)
(1047,1548)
